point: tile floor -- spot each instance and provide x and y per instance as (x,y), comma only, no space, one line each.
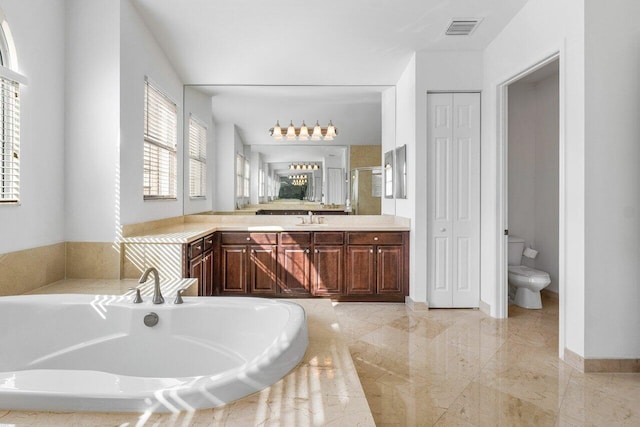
(463,368)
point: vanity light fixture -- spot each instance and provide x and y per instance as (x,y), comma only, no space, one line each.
(304,166)
(298,177)
(302,133)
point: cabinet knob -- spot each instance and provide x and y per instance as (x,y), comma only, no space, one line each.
(375,238)
(244,251)
(379,251)
(306,251)
(253,251)
(199,247)
(370,251)
(248,238)
(210,242)
(316,251)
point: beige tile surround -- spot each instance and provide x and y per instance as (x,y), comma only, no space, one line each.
(92,260)
(23,271)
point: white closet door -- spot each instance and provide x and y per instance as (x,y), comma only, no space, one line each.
(454,199)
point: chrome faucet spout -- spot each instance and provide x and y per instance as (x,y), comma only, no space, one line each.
(310,217)
(157,295)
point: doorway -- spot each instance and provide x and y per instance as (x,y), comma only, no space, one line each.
(529,178)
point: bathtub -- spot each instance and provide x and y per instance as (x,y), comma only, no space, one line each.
(94,352)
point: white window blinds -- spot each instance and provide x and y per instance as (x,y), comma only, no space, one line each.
(197,159)
(160,140)
(9,141)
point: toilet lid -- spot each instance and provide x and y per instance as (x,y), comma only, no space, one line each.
(529,273)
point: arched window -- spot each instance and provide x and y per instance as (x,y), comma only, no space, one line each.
(10,80)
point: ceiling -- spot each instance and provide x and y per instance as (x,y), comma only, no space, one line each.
(318,43)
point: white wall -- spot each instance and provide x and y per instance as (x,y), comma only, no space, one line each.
(92,120)
(198,104)
(540,29)
(612,179)
(227,144)
(533,171)
(225,170)
(406,134)
(435,71)
(388,137)
(141,56)
(38,31)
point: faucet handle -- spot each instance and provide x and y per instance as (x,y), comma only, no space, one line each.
(137,299)
(179,299)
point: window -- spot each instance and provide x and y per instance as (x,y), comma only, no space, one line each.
(247,176)
(160,140)
(9,123)
(197,159)
(10,141)
(261,183)
(239,175)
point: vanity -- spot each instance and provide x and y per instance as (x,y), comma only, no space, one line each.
(346,259)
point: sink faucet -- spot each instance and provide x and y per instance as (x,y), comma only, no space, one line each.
(157,295)
(310,217)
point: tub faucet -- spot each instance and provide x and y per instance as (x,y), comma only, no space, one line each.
(310,217)
(157,295)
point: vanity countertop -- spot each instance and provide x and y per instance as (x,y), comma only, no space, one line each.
(118,287)
(194,228)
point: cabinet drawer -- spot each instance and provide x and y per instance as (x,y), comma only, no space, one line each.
(369,238)
(208,242)
(328,238)
(196,248)
(249,238)
(295,238)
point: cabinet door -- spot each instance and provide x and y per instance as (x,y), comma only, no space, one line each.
(233,275)
(195,272)
(361,277)
(262,266)
(295,269)
(390,269)
(326,271)
(206,286)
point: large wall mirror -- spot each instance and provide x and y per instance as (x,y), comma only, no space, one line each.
(250,169)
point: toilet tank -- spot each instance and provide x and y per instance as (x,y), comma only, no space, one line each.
(516,247)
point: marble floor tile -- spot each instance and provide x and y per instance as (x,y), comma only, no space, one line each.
(463,368)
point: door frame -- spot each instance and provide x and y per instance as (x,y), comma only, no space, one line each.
(502,141)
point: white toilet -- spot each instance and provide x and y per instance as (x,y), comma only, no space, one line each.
(525,283)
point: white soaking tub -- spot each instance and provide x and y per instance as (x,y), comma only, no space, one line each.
(94,352)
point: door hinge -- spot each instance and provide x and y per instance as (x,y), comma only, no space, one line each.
(506,232)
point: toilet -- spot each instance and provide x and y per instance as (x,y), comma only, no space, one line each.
(525,283)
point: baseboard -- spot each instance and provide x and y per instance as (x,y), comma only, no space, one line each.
(416,306)
(574,360)
(630,366)
(485,308)
(612,365)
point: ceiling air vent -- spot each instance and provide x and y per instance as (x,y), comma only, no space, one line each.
(462,27)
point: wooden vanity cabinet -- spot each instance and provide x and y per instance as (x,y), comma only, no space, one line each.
(350,266)
(199,261)
(327,272)
(248,263)
(294,261)
(376,264)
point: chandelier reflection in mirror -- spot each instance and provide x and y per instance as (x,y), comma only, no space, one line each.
(302,133)
(304,166)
